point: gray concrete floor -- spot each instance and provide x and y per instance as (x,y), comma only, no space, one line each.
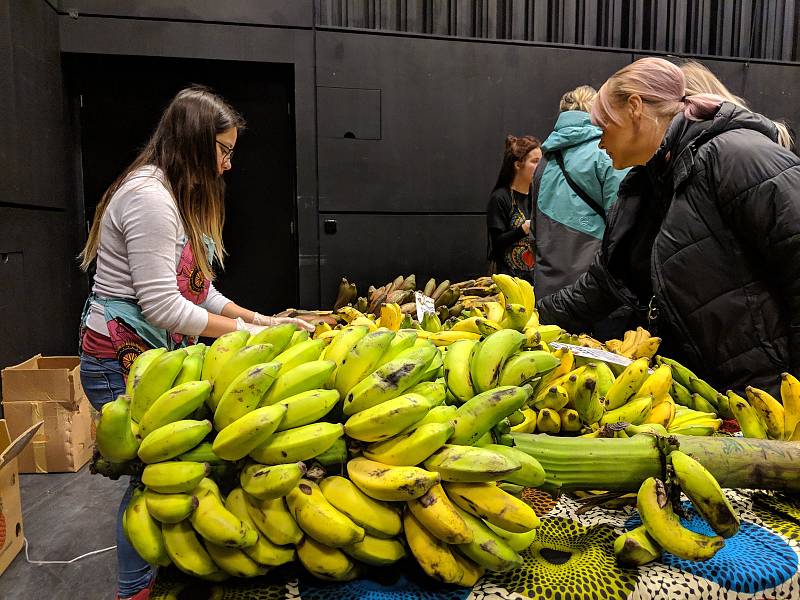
(65,515)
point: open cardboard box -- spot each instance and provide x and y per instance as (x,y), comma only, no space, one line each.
(11,533)
(48,388)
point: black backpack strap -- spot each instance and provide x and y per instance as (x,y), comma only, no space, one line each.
(577,189)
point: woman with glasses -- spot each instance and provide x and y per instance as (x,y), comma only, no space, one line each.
(156,234)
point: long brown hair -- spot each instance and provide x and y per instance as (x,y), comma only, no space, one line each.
(184,148)
(516,149)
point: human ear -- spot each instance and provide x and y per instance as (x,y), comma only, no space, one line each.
(635,106)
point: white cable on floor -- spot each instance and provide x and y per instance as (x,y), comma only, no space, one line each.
(62,562)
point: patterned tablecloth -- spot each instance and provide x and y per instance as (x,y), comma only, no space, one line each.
(571,559)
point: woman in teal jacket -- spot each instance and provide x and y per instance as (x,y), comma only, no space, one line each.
(568,228)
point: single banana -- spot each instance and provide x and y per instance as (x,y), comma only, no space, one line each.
(192,367)
(526,291)
(277,336)
(548,421)
(516,317)
(169,508)
(234,561)
(438,414)
(387,419)
(703,490)
(523,367)
(377,518)
(531,473)
(570,420)
(274,521)
(239,362)
(341,346)
(202,453)
(115,438)
(627,384)
(470,464)
(487,548)
(479,414)
(555,398)
(665,527)
(402,341)
(376,551)
(681,394)
(220,351)
(436,512)
(434,556)
(319,519)
(156,379)
(298,337)
(186,551)
(173,405)
(434,391)
(556,376)
(528,424)
(790,394)
(699,386)
(174,477)
(307,407)
(362,360)
(472,571)
(172,440)
(410,448)
(334,457)
(265,482)
(605,379)
(488,359)
(635,548)
(489,502)
(588,404)
(138,368)
(748,419)
(264,552)
(245,393)
(217,524)
(657,384)
(308,376)
(633,412)
(457,369)
(516,541)
(324,562)
(249,432)
(298,444)
(300,353)
(510,288)
(390,380)
(144,532)
(386,482)
(680,374)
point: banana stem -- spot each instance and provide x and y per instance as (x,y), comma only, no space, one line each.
(622,465)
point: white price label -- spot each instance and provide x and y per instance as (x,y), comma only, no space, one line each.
(425,304)
(595,353)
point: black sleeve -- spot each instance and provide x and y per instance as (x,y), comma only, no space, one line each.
(501,235)
(578,306)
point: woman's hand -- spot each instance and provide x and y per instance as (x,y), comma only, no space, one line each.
(259,319)
(526,227)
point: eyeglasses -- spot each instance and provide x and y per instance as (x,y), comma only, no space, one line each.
(227,151)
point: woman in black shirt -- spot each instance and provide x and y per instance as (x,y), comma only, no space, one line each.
(508,214)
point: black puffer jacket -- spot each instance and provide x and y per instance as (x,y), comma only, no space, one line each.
(708,235)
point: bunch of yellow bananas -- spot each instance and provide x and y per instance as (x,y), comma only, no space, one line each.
(635,344)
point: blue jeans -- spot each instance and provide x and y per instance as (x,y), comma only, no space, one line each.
(103,381)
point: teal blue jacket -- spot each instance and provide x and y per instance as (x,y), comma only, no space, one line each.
(567,231)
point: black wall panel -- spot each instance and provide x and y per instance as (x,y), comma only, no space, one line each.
(446,107)
(372,249)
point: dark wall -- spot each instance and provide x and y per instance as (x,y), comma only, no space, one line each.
(40,285)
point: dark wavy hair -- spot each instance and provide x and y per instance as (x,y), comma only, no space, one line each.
(517,148)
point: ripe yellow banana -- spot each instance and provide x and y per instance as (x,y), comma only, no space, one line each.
(523,367)
(489,358)
(172,440)
(234,561)
(144,532)
(516,541)
(220,351)
(434,556)
(570,420)
(298,444)
(479,414)
(269,482)
(386,482)
(319,519)
(657,384)
(528,424)
(528,297)
(587,402)
(377,518)
(245,393)
(410,448)
(510,288)
(173,405)
(156,379)
(548,421)
(324,562)
(748,419)
(703,490)
(769,410)
(186,551)
(634,411)
(489,502)
(555,397)
(138,368)
(376,551)
(665,527)
(115,438)
(174,477)
(238,363)
(274,521)
(387,419)
(438,515)
(308,376)
(300,353)
(169,508)
(790,394)
(636,548)
(487,548)
(662,414)
(307,407)
(264,552)
(249,432)
(217,524)
(627,384)
(470,464)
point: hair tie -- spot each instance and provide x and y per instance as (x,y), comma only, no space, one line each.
(683,99)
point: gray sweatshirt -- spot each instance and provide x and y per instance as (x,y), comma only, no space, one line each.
(141,241)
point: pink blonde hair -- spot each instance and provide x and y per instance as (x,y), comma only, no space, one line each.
(662,87)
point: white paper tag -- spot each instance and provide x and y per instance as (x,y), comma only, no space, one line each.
(425,304)
(595,353)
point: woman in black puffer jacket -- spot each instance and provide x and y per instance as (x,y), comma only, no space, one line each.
(704,240)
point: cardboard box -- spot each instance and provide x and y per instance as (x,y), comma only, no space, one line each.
(11,533)
(48,389)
